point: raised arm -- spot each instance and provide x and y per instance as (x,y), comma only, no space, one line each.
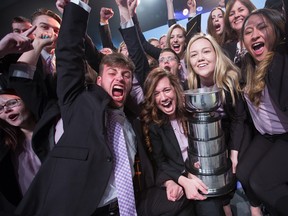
(92,54)
(27,80)
(170,12)
(70,54)
(148,48)
(192,8)
(16,43)
(131,39)
(104,29)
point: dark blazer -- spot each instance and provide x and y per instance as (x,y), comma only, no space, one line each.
(148,48)
(74,176)
(166,152)
(230,49)
(106,37)
(277,77)
(136,53)
(235,122)
(9,187)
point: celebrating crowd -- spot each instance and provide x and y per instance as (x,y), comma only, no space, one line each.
(87,132)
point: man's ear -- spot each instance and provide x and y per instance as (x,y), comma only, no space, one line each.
(99,80)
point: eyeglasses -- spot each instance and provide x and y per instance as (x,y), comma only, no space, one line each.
(10,104)
(167,59)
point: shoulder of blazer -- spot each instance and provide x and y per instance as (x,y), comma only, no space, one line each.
(98,92)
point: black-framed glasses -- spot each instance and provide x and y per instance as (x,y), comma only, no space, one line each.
(10,104)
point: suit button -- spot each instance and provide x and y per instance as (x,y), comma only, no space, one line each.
(109,159)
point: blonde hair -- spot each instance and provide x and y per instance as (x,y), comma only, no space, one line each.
(121,45)
(171,29)
(226,75)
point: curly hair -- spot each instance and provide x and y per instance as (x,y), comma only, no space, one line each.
(150,112)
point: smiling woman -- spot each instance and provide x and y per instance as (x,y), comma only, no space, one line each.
(208,66)
(265,91)
(166,134)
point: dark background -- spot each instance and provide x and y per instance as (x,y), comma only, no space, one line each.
(151,13)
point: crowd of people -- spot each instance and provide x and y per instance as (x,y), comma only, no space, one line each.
(88,132)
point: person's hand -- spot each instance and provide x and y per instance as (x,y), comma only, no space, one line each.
(121,3)
(60,4)
(234,159)
(123,10)
(106,14)
(193,186)
(132,5)
(40,41)
(16,43)
(106,51)
(173,190)
(191,6)
(43,40)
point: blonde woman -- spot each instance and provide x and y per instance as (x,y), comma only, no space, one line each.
(208,66)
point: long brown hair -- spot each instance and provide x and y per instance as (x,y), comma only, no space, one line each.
(255,76)
(231,34)
(211,29)
(150,112)
(11,135)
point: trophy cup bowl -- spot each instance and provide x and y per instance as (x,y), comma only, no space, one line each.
(203,99)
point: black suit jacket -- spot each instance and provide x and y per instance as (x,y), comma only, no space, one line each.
(74,176)
(166,152)
(106,38)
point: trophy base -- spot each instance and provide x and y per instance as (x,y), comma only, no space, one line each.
(220,183)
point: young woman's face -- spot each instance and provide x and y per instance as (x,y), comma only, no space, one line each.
(218,21)
(165,97)
(203,59)
(177,41)
(237,16)
(13,110)
(258,37)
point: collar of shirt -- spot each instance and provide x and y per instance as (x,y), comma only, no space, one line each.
(45,54)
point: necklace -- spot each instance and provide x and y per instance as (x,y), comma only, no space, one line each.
(176,127)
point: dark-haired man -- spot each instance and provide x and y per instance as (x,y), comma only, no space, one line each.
(79,177)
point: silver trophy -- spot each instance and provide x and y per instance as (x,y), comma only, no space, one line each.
(207,152)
